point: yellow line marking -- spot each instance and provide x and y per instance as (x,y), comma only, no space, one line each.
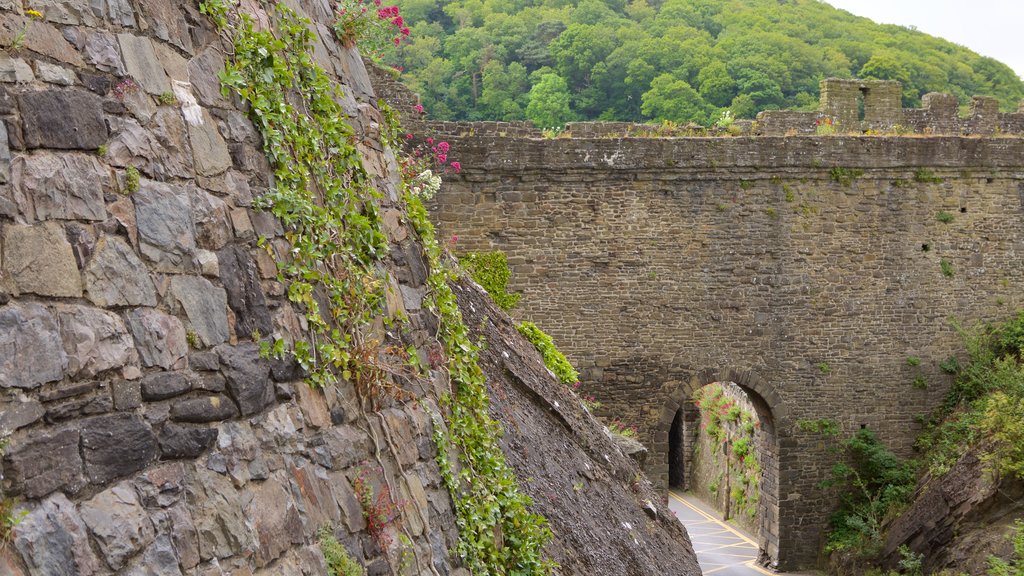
(753,565)
(713,519)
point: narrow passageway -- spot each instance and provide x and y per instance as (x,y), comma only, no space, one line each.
(722,550)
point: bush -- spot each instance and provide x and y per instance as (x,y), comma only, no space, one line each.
(339,562)
(490,270)
(553,359)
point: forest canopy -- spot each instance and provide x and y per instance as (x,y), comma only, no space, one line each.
(556,61)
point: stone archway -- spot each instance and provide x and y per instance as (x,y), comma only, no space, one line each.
(678,427)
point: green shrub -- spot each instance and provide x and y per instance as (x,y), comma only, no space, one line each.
(553,359)
(845,176)
(490,270)
(339,562)
(944,217)
(874,483)
(1015,566)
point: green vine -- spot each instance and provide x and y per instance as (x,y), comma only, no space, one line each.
(498,535)
(553,357)
(324,198)
(321,194)
(490,270)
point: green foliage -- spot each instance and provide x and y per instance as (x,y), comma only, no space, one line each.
(549,102)
(321,193)
(944,217)
(132,180)
(926,176)
(913,361)
(826,426)
(9,519)
(845,176)
(684,60)
(490,270)
(1015,565)
(825,368)
(724,421)
(947,268)
(553,358)
(339,562)
(1002,422)
(873,484)
(167,98)
(498,535)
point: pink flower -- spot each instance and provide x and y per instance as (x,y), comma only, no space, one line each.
(442,158)
(404,31)
(419,108)
(456,166)
(455,238)
(408,136)
(429,140)
(397,40)
(442,147)
(398,22)
(376,2)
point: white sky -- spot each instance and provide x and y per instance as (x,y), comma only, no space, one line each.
(989,27)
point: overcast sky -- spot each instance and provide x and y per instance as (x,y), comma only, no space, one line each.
(992,28)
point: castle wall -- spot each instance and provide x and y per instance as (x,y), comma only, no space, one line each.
(653,261)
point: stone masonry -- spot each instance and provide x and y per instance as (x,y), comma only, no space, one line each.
(662,264)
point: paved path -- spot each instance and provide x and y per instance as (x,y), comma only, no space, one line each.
(721,549)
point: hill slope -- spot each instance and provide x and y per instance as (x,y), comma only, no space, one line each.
(553,61)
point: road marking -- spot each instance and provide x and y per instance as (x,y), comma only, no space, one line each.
(752,564)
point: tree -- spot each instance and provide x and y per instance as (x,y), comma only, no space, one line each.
(549,102)
(675,100)
(716,85)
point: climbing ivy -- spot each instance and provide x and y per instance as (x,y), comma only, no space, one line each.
(321,193)
(323,197)
(490,270)
(553,357)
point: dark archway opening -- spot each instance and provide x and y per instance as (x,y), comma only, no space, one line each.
(677,452)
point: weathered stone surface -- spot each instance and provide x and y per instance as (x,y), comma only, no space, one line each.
(205,305)
(39,259)
(245,294)
(157,152)
(31,350)
(164,385)
(221,525)
(159,338)
(166,20)
(142,64)
(119,523)
(159,559)
(210,215)
(15,70)
(275,520)
(54,74)
(116,445)
(204,72)
(204,409)
(52,540)
(204,361)
(18,412)
(166,232)
(248,377)
(64,119)
(101,50)
(185,442)
(59,186)
(126,394)
(116,277)
(45,462)
(209,151)
(95,340)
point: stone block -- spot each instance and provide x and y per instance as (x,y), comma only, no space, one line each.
(52,539)
(205,305)
(185,442)
(101,50)
(15,70)
(209,151)
(248,377)
(18,412)
(116,445)
(241,280)
(159,338)
(95,340)
(141,63)
(39,260)
(204,74)
(127,394)
(115,276)
(164,385)
(45,462)
(166,232)
(120,524)
(62,119)
(275,519)
(53,74)
(219,521)
(204,409)
(210,215)
(31,349)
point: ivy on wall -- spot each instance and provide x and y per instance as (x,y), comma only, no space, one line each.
(726,423)
(329,208)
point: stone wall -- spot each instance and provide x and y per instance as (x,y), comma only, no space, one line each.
(142,433)
(659,265)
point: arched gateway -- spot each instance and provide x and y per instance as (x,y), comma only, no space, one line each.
(678,429)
